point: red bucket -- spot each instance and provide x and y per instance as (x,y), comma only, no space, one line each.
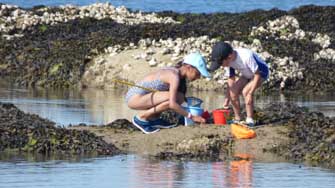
(220,116)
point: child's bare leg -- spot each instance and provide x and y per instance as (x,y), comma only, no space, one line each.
(227,99)
(144,102)
(155,111)
(235,91)
(149,102)
(249,107)
(236,105)
(153,103)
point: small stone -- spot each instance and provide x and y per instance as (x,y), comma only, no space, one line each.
(126,67)
(165,51)
(282,85)
(100,61)
(175,58)
(153,62)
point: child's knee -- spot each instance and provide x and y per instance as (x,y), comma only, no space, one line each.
(234,97)
(245,92)
(131,105)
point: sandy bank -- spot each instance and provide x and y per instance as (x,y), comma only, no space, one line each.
(200,140)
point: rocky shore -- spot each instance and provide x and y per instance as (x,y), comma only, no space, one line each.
(30,133)
(89,46)
(289,133)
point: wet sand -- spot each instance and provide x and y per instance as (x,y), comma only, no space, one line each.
(170,140)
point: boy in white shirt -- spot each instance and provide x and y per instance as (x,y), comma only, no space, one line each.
(254,71)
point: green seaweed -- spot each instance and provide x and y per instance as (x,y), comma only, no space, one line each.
(55,68)
(43,28)
(181,18)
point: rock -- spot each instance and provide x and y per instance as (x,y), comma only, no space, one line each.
(153,62)
(30,133)
(127,67)
(165,51)
(280,33)
(122,124)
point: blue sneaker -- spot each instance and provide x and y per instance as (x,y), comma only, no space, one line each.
(161,123)
(253,125)
(144,126)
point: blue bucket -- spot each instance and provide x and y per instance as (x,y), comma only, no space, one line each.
(197,111)
(193,102)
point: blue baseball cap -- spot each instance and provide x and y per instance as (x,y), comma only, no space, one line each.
(197,61)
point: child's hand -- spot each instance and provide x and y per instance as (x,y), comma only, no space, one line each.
(199,119)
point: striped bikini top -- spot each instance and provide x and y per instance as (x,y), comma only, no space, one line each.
(157,84)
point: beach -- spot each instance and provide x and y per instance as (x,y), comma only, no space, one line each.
(91,46)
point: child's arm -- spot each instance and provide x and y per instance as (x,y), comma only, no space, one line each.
(173,105)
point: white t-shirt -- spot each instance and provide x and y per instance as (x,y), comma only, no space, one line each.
(246,62)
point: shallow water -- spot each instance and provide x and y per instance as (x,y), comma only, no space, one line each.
(135,171)
(93,106)
(198,6)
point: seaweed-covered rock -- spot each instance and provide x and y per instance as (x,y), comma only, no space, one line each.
(171,116)
(122,124)
(30,133)
(316,19)
(48,55)
(313,138)
(312,135)
(58,55)
(278,113)
(200,148)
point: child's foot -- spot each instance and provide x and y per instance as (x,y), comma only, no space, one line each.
(144,126)
(250,122)
(161,123)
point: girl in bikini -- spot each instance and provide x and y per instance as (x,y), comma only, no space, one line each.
(170,84)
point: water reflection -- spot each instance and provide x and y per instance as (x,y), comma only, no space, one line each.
(237,173)
(148,173)
(10,156)
(94,106)
(135,171)
(70,106)
(107,105)
(241,174)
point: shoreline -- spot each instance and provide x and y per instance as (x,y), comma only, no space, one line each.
(289,134)
(89,46)
(40,47)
